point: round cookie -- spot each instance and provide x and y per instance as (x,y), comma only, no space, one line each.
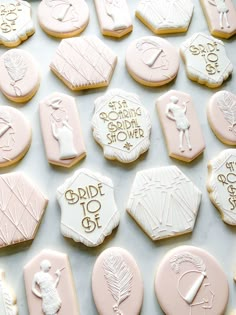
(20,79)
(190,281)
(63,18)
(221,114)
(117,283)
(15,136)
(152,61)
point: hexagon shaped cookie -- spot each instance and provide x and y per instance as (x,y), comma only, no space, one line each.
(164,202)
(84,63)
(164,16)
(88,208)
(22,206)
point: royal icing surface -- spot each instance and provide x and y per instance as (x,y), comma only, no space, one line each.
(114,17)
(15,135)
(7,297)
(221,184)
(16,24)
(63,18)
(165,16)
(61,130)
(88,208)
(221,114)
(121,125)
(20,78)
(164,202)
(49,285)
(84,63)
(22,208)
(152,61)
(117,283)
(189,281)
(221,17)
(206,60)
(180,125)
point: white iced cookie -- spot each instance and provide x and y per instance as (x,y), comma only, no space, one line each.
(84,63)
(180,125)
(152,61)
(114,17)
(60,125)
(65,18)
(8,304)
(221,114)
(164,202)
(49,285)
(15,136)
(88,209)
(20,78)
(221,184)
(206,60)
(16,23)
(117,283)
(221,17)
(164,17)
(190,281)
(121,125)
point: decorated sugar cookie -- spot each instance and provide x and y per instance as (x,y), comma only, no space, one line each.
(165,16)
(65,18)
(180,125)
(152,61)
(88,208)
(15,136)
(206,60)
(114,17)
(16,22)
(84,63)
(121,125)
(61,130)
(23,206)
(117,283)
(221,114)
(164,202)
(20,79)
(8,304)
(49,285)
(190,281)
(221,184)
(221,17)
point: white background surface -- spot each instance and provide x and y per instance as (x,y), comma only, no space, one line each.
(210,232)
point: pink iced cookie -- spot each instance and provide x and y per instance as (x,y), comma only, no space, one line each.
(221,114)
(114,17)
(152,61)
(65,18)
(180,125)
(15,136)
(23,206)
(61,130)
(221,17)
(20,79)
(117,283)
(190,281)
(49,285)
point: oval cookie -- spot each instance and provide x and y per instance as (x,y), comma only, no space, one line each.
(121,125)
(8,304)
(221,184)
(65,18)
(152,61)
(15,136)
(221,114)
(20,79)
(190,281)
(117,283)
